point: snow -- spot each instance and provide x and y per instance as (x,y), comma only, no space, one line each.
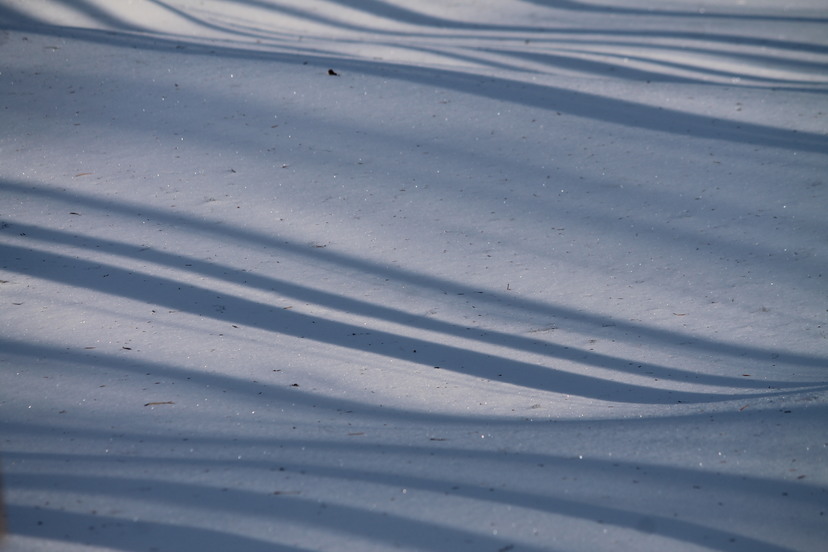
(520,276)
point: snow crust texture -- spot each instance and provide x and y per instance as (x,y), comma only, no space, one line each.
(464,275)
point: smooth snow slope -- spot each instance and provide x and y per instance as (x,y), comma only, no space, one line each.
(520,275)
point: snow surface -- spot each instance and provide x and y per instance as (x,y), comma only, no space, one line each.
(522,275)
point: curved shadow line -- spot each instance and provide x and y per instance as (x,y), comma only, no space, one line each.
(581,104)
(200,301)
(268,393)
(190,18)
(770,488)
(620,112)
(404,15)
(376,526)
(417,280)
(386,526)
(610,48)
(573,5)
(14,19)
(90,10)
(382,10)
(590,106)
(118,533)
(424,424)
(572,59)
(364,308)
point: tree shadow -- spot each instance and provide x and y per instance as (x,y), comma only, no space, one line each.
(636,495)
(34,255)
(701,13)
(183,296)
(118,533)
(353,518)
(589,106)
(351,521)
(338,261)
(265,394)
(547,97)
(577,57)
